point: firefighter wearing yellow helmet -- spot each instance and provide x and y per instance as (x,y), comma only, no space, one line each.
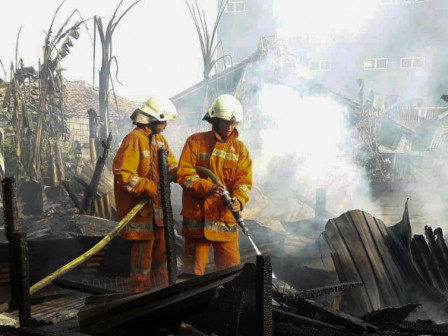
(136,176)
(206,221)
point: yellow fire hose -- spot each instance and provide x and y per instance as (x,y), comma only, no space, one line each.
(83,257)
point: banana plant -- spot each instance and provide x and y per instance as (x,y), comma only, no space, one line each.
(33,106)
(51,124)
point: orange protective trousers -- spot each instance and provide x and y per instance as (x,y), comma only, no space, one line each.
(226,254)
(148,263)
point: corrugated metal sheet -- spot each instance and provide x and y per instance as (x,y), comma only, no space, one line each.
(364,249)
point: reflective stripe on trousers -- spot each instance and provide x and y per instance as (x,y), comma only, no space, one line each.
(148,263)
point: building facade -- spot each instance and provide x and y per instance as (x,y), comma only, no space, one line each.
(399,53)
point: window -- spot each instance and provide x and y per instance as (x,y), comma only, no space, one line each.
(375,63)
(414,1)
(412,62)
(320,65)
(234,6)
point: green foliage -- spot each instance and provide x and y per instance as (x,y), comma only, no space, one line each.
(11,166)
(71,160)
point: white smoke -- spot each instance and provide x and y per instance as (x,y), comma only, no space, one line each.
(304,142)
(324,19)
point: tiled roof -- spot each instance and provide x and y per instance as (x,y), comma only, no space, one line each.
(80,96)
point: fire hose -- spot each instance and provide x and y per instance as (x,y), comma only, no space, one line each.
(228,202)
(83,257)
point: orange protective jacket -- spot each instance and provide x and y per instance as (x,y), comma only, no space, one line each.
(136,176)
(230,161)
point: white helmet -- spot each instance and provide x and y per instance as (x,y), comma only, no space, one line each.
(155,109)
(225,107)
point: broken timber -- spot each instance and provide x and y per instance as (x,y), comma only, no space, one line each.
(107,313)
(90,190)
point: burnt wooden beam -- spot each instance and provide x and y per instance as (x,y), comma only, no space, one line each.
(314,309)
(281,316)
(425,263)
(19,249)
(168,217)
(223,315)
(440,241)
(87,206)
(437,255)
(11,228)
(10,206)
(18,254)
(73,197)
(93,186)
(420,328)
(161,306)
(80,287)
(390,317)
(316,292)
(263,298)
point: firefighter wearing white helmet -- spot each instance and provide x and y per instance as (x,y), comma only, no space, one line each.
(155,109)
(206,222)
(136,177)
(225,107)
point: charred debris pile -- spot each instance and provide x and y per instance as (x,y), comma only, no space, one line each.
(385,281)
(389,280)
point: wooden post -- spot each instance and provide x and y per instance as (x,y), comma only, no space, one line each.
(168,218)
(263,288)
(19,249)
(11,227)
(10,206)
(93,129)
(2,155)
(100,202)
(108,207)
(18,254)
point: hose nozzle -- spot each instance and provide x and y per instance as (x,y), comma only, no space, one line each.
(239,219)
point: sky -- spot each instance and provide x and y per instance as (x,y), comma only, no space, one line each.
(155,43)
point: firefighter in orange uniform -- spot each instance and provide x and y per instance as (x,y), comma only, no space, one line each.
(206,220)
(136,176)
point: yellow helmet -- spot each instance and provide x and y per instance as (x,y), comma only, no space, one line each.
(225,107)
(155,109)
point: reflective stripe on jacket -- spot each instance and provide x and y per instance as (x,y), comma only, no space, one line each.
(231,163)
(136,176)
